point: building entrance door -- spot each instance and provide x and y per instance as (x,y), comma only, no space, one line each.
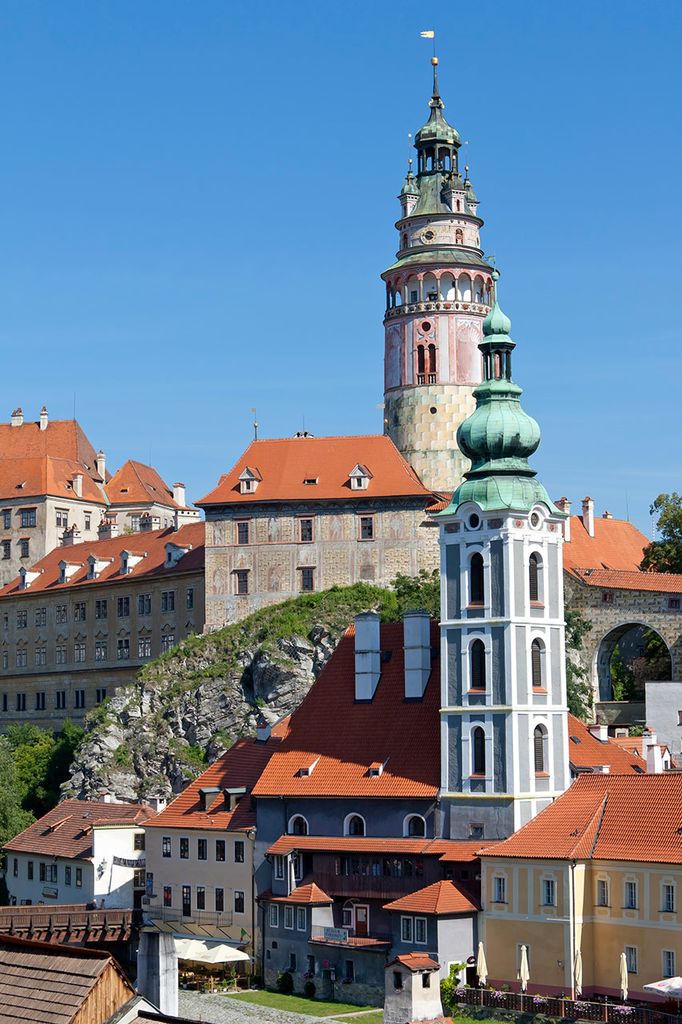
(361,920)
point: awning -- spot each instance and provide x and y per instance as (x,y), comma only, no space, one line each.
(208,952)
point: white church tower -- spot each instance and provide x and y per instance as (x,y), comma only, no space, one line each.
(504,736)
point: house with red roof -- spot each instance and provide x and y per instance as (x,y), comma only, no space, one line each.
(301,514)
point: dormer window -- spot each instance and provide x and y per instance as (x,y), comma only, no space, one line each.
(376,769)
(96,566)
(308,769)
(359,478)
(129,561)
(67,570)
(26,578)
(249,480)
(310,481)
(174,552)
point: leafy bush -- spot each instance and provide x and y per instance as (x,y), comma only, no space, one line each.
(285,983)
(309,989)
(448,989)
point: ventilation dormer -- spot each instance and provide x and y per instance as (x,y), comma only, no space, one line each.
(27,577)
(174,552)
(359,478)
(67,570)
(129,561)
(97,565)
(376,769)
(249,480)
(233,794)
(308,769)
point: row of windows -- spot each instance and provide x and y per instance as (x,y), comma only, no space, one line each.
(413,929)
(202,849)
(49,872)
(306,530)
(27,516)
(354,825)
(200,901)
(479,755)
(59,699)
(630,894)
(242,584)
(290,916)
(24,549)
(80,651)
(478,674)
(477,579)
(79,609)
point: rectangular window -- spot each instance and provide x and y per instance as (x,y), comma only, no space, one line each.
(79,611)
(42,872)
(4,696)
(238,901)
(22,619)
(79,652)
(420,930)
(220,850)
(307,580)
(219,900)
(67,874)
(21,702)
(79,878)
(631,895)
(243,533)
(602,892)
(79,698)
(28,518)
(41,656)
(279,866)
(288,916)
(189,599)
(669,898)
(346,917)
(239,851)
(144,647)
(168,895)
(168,601)
(186,900)
(631,959)
(60,699)
(184,848)
(7,518)
(29,871)
(144,604)
(297,865)
(52,873)
(273,916)
(300,919)
(60,654)
(123,649)
(306,530)
(366,527)
(100,650)
(123,607)
(166,846)
(6,549)
(87,520)
(669,963)
(40,700)
(138,878)
(23,549)
(201,897)
(242,581)
(101,608)
(15,867)
(348,970)
(138,841)
(61,518)
(100,694)
(406,929)
(548,892)
(292,961)
(61,614)
(202,849)
(41,616)
(22,657)
(167,641)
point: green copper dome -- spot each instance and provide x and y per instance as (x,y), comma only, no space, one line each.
(499,437)
(410,186)
(436,128)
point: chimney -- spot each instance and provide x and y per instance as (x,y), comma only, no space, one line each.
(78,485)
(600,732)
(564,505)
(367,655)
(179,494)
(17,417)
(149,522)
(44,418)
(157,803)
(108,528)
(417,647)
(651,750)
(101,463)
(263,728)
(606,515)
(588,516)
(71,535)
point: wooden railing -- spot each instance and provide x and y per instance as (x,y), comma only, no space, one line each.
(573,1009)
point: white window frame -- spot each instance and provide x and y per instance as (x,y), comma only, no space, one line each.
(406,824)
(549,889)
(632,959)
(668,972)
(424,923)
(626,904)
(288,917)
(406,929)
(290,825)
(279,866)
(602,882)
(499,888)
(668,884)
(534,549)
(301,919)
(347,820)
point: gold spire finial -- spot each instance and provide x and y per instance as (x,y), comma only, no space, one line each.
(434,61)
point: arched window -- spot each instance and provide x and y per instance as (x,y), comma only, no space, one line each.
(539,735)
(534,577)
(421,359)
(459,237)
(415,826)
(476,579)
(478,665)
(536,662)
(478,746)
(432,364)
(298,826)
(355,825)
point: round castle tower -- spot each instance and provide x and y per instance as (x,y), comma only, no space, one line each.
(437,294)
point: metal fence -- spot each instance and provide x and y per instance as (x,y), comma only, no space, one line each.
(574,1009)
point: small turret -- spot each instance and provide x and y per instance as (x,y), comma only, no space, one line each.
(409,193)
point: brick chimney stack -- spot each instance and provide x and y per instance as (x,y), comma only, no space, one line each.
(588,516)
(564,505)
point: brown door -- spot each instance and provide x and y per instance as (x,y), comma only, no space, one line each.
(361,920)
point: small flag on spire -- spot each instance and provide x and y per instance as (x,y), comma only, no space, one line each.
(428,34)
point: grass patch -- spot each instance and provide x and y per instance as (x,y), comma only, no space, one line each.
(373,1017)
(299,1004)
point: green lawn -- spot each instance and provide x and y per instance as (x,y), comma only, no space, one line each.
(373,1017)
(299,1004)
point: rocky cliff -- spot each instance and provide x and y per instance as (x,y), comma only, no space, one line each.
(191,704)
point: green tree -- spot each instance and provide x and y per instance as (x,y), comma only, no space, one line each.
(623,683)
(13,817)
(421,591)
(665,554)
(578,689)
(41,762)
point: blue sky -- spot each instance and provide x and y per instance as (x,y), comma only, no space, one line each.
(198,199)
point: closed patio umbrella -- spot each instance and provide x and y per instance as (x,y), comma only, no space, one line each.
(578,973)
(481,965)
(524,969)
(623,976)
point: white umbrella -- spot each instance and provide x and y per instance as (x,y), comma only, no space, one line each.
(481,965)
(578,973)
(623,976)
(524,969)
(671,987)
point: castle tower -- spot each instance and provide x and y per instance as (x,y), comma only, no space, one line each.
(504,736)
(437,294)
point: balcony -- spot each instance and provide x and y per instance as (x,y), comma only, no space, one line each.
(437,306)
(344,937)
(198,918)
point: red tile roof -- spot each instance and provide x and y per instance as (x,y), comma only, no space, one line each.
(150,545)
(620,579)
(451,851)
(35,461)
(344,737)
(241,765)
(441,898)
(635,745)
(66,830)
(606,817)
(283,464)
(616,545)
(137,484)
(586,751)
(310,895)
(416,962)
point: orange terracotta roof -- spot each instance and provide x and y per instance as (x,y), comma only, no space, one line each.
(451,851)
(441,504)
(344,738)
(239,766)
(635,745)
(621,579)
(441,898)
(151,545)
(66,830)
(606,817)
(586,751)
(616,545)
(416,962)
(137,484)
(35,462)
(283,465)
(310,895)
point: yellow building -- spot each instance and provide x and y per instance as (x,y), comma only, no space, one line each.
(596,874)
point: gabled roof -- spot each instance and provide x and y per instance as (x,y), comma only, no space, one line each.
(616,545)
(606,817)
(151,546)
(416,962)
(441,898)
(241,765)
(283,464)
(66,830)
(309,895)
(447,850)
(137,484)
(621,579)
(35,461)
(585,751)
(344,737)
